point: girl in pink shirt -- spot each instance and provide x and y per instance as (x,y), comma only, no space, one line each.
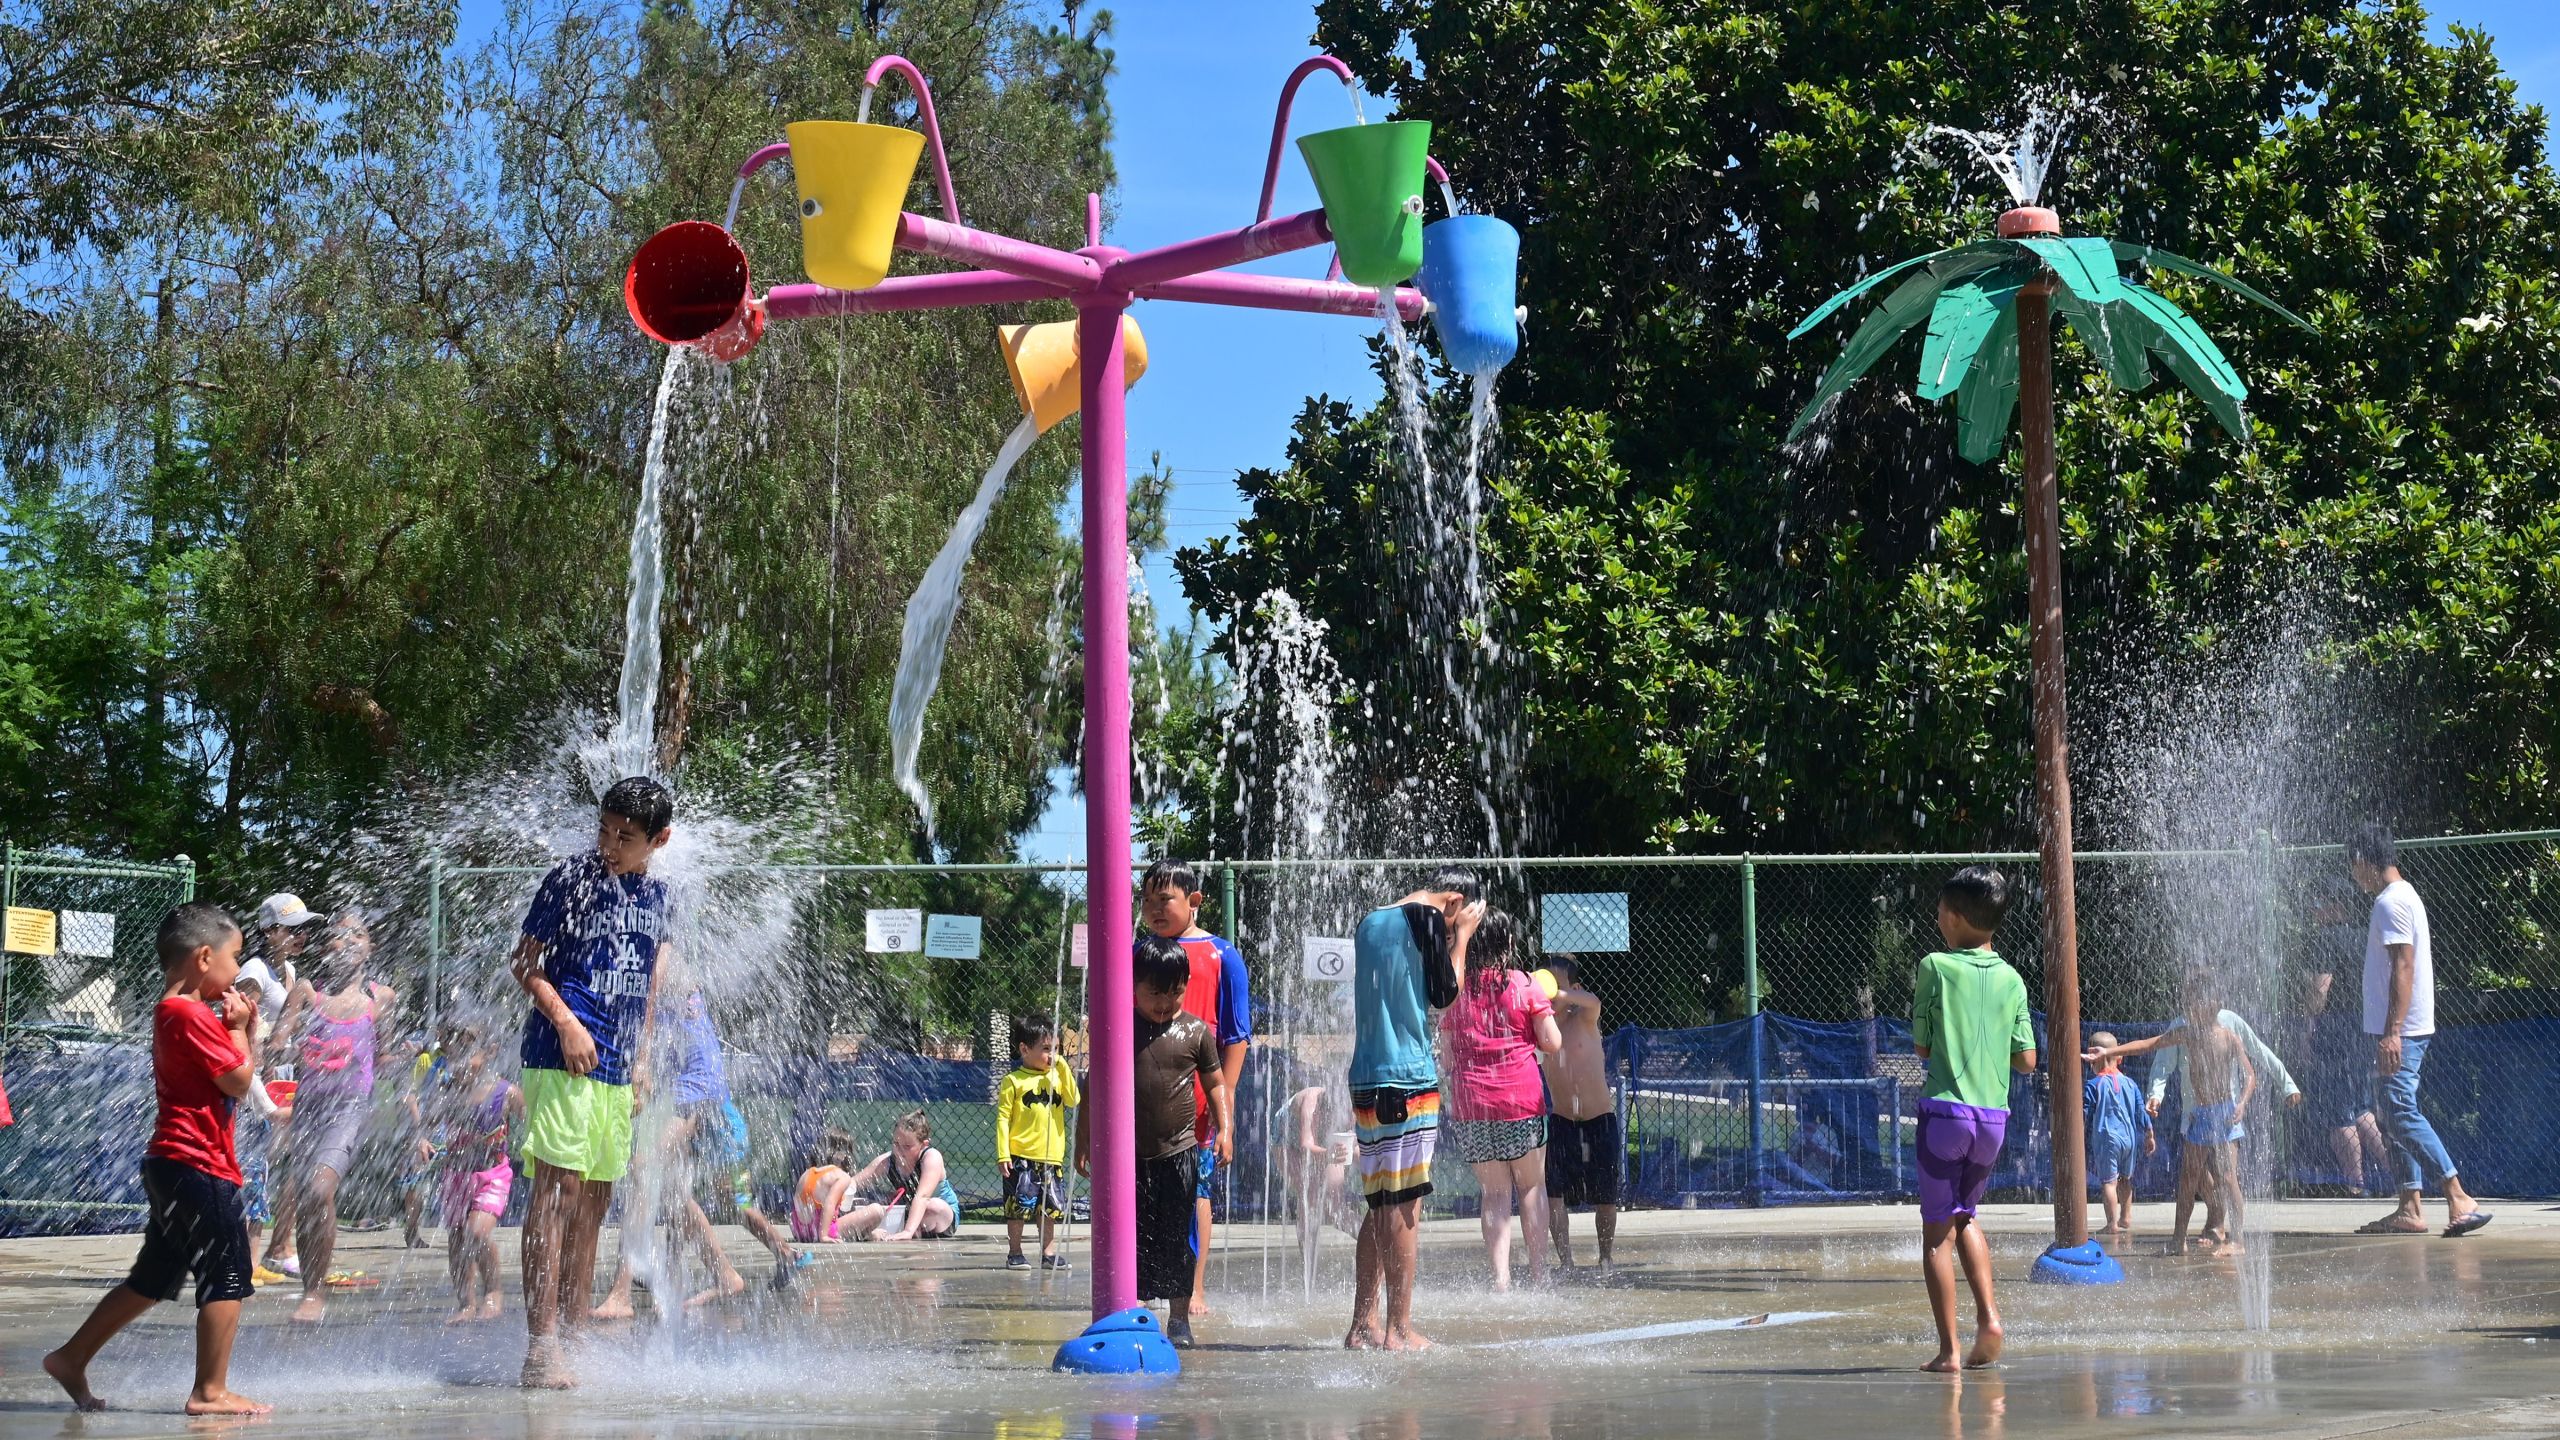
(1497,1123)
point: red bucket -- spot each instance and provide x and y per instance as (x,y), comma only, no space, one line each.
(688,285)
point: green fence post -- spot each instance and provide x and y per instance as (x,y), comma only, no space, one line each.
(186,879)
(1227,899)
(435,940)
(8,896)
(1751,1012)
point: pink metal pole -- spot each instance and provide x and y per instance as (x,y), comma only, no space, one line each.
(1280,123)
(1112,1092)
(1281,292)
(1001,252)
(906,292)
(1217,252)
(932,127)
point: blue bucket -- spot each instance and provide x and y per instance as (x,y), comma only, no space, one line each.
(1471,271)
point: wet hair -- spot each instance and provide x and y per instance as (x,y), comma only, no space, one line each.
(2203,991)
(1030,1030)
(2102,1038)
(916,1123)
(1567,969)
(1493,954)
(194,926)
(1458,881)
(2373,845)
(1180,874)
(1161,964)
(642,801)
(1978,894)
(837,1147)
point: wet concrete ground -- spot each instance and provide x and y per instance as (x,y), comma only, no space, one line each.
(2383,1336)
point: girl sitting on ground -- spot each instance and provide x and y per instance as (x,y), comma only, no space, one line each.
(916,1178)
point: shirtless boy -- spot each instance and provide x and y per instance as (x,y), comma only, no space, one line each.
(1582,1128)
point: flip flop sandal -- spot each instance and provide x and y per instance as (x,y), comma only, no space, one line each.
(350,1280)
(2467,1224)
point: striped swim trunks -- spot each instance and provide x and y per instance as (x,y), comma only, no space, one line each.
(1398,1130)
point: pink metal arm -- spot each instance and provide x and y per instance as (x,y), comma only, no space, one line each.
(906,292)
(1280,124)
(1014,257)
(1216,252)
(763,157)
(932,127)
(1281,292)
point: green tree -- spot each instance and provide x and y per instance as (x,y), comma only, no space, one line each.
(1722,643)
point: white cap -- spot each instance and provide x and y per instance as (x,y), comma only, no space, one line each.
(288,911)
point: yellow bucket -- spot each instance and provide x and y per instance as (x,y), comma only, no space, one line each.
(853,182)
(1042,361)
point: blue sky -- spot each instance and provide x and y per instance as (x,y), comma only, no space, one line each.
(1192,103)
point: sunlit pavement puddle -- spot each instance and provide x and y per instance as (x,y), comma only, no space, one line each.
(2384,1336)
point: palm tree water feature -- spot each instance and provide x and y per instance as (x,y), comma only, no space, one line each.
(1989,344)
(689,287)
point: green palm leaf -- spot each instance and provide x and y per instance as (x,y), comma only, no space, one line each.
(1961,322)
(1989,395)
(2147,255)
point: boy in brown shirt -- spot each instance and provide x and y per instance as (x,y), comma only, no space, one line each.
(1169,1049)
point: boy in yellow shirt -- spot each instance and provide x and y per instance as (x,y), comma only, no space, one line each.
(1031,1140)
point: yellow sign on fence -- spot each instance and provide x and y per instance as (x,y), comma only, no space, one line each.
(29,932)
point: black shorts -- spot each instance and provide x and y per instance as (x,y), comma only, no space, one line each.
(1582,1160)
(1167,1237)
(197,1228)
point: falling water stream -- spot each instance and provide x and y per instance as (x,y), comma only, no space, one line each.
(929,614)
(632,748)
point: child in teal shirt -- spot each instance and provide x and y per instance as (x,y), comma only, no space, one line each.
(1969,1021)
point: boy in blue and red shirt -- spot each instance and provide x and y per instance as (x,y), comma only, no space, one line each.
(1219,994)
(594,940)
(190,1172)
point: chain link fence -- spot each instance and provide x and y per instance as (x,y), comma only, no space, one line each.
(77,984)
(1755,1004)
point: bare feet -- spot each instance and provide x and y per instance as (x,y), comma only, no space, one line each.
(2227,1249)
(1199,1307)
(1943,1364)
(734,1284)
(1364,1337)
(492,1308)
(615,1307)
(224,1402)
(313,1309)
(464,1316)
(1407,1338)
(1988,1338)
(74,1380)
(544,1369)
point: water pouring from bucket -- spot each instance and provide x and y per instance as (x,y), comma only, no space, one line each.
(688,287)
(1471,269)
(1048,384)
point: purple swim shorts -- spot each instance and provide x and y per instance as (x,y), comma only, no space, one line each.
(1958,1145)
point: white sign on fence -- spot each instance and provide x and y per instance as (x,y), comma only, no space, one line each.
(1586,923)
(88,932)
(953,937)
(893,932)
(1328,958)
(1080,949)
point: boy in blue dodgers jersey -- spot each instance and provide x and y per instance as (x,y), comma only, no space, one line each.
(593,940)
(2114,1115)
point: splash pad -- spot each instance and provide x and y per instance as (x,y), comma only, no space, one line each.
(687,288)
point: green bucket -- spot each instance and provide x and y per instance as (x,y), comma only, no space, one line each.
(1370,178)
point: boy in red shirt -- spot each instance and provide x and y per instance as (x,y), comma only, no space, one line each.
(190,1172)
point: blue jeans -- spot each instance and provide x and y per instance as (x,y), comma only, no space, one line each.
(2395,1104)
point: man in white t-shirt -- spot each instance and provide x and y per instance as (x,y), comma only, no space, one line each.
(2400,1015)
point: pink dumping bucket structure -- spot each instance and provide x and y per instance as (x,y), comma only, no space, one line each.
(688,288)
